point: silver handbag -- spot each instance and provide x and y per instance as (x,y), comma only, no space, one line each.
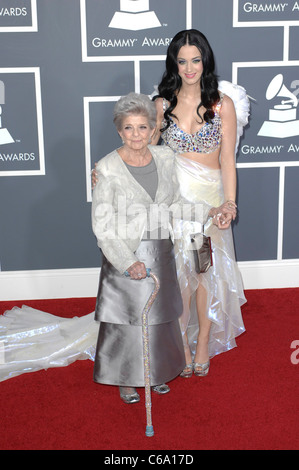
(202,252)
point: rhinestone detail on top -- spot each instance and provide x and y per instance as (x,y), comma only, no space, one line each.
(206,140)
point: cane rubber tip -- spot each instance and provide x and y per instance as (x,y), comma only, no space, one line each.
(149,431)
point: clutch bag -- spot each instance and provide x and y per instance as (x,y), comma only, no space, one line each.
(202,252)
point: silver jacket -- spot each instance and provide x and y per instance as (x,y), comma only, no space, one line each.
(122,209)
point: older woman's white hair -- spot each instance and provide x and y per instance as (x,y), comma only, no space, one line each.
(134,103)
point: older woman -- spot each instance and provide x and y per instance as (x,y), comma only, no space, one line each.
(137,187)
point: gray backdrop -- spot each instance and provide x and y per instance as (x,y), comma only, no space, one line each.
(62,69)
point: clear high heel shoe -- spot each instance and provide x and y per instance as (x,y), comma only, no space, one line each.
(129,395)
(187,371)
(201,370)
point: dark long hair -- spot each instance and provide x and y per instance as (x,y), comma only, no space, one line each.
(171,81)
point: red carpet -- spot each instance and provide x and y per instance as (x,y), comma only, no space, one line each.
(249,400)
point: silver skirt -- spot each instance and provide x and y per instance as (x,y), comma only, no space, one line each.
(120,302)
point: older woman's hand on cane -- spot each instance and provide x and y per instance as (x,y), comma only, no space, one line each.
(137,271)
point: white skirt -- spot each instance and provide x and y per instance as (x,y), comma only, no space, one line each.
(222,282)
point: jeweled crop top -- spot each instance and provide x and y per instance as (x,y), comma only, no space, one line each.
(206,140)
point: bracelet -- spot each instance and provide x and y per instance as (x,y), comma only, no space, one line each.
(230,201)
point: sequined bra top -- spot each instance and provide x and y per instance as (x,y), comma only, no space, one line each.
(206,140)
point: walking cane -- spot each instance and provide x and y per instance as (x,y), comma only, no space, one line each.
(149,432)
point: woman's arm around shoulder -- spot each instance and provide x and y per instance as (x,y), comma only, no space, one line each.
(160,116)
(228,144)
(103,165)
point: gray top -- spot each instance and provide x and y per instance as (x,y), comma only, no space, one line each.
(147,177)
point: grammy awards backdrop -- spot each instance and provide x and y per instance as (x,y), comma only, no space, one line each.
(64,64)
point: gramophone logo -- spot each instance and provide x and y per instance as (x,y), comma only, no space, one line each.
(282,121)
(21,127)
(5,137)
(134,15)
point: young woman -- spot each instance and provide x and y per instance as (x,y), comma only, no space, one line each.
(199,123)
